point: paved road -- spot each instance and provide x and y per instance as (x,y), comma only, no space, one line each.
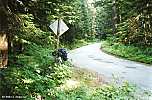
(91,57)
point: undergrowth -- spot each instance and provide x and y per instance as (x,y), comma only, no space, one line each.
(85,91)
(33,73)
(140,54)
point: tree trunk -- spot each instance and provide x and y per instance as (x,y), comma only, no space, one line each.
(114,16)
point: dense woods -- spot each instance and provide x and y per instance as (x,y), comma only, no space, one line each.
(128,20)
(31,69)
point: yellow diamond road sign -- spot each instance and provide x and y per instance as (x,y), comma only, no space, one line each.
(59,27)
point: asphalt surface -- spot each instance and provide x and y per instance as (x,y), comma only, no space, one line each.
(92,58)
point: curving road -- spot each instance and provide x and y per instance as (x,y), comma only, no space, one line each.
(91,57)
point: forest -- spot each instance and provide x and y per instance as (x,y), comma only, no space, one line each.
(29,68)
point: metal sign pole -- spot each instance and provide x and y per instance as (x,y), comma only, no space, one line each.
(58,34)
(58,42)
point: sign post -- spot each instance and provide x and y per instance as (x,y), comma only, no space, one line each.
(58,27)
(58,37)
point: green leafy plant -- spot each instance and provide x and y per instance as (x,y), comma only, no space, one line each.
(106,92)
(141,54)
(34,73)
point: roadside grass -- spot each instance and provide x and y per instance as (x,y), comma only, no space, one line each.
(91,86)
(87,77)
(140,54)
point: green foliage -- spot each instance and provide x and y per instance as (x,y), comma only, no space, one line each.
(46,11)
(129,20)
(103,17)
(30,32)
(84,20)
(34,73)
(140,54)
(107,92)
(111,92)
(76,44)
(75,13)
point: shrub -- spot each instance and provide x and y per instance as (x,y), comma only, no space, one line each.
(34,73)
(106,92)
(141,54)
